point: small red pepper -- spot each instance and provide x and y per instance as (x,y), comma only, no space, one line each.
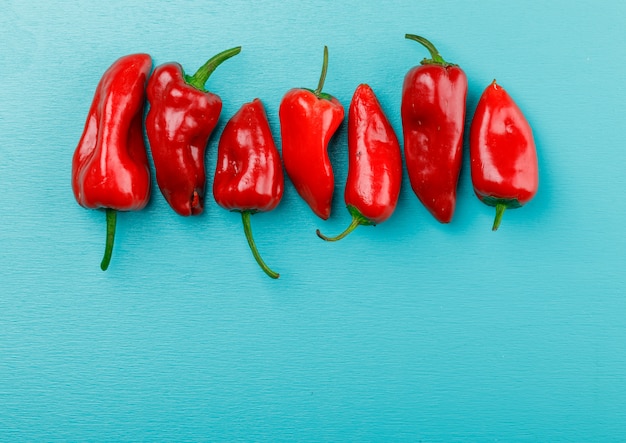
(433,117)
(110,165)
(308,120)
(180,120)
(503,156)
(249,174)
(375,163)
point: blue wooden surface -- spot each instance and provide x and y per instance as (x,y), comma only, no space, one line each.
(409,331)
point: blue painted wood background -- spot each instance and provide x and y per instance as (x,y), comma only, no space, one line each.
(409,331)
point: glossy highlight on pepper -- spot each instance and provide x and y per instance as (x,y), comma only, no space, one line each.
(503,155)
(110,164)
(308,121)
(375,163)
(181,118)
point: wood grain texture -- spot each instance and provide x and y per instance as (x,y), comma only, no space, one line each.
(407,331)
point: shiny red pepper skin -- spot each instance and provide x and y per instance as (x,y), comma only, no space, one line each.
(110,165)
(180,120)
(433,117)
(503,155)
(249,174)
(308,120)
(375,163)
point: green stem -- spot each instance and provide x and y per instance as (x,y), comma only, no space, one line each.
(245,217)
(436,58)
(199,79)
(500,208)
(108,250)
(353,225)
(357,220)
(320,84)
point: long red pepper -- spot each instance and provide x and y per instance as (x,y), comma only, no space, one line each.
(249,175)
(375,163)
(110,165)
(503,156)
(180,120)
(308,120)
(433,117)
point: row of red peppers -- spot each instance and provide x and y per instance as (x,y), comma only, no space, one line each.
(110,165)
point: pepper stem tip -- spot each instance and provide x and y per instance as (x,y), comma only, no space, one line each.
(436,58)
(353,225)
(357,220)
(320,84)
(500,208)
(199,79)
(247,228)
(111,217)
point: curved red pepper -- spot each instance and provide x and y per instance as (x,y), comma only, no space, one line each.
(110,165)
(180,120)
(375,163)
(433,117)
(249,174)
(308,120)
(502,153)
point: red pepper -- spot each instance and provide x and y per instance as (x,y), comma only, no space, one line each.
(181,118)
(110,165)
(375,163)
(502,153)
(433,116)
(249,175)
(308,120)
